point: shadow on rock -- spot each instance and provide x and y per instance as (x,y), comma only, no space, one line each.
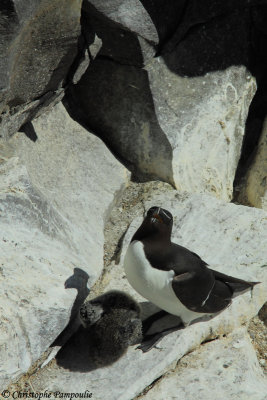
(114,97)
(78,354)
(113,100)
(78,281)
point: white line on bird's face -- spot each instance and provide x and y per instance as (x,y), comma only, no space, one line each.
(166,214)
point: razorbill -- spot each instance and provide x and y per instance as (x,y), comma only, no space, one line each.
(174,278)
(113,323)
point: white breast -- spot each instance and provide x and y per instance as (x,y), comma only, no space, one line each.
(153,284)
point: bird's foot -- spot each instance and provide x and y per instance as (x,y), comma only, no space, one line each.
(150,341)
(148,322)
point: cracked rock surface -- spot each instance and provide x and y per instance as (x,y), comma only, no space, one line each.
(175,91)
(53,205)
(222,235)
(225,368)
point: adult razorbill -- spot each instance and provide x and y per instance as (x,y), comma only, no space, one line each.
(174,278)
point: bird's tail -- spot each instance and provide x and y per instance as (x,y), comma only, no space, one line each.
(238,286)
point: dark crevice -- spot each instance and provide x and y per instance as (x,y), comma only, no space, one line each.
(166,16)
(258,107)
(214,45)
(119,62)
(196,14)
(149,387)
(208,340)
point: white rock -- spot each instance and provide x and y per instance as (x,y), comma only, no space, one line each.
(204,122)
(231,238)
(217,370)
(78,176)
(254,191)
(55,194)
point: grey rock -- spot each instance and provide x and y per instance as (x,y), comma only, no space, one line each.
(95,46)
(118,43)
(38,43)
(83,65)
(55,195)
(231,239)
(225,368)
(131,15)
(89,52)
(154,21)
(185,131)
(188,103)
(73,181)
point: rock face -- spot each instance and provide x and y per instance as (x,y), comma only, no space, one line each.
(153,21)
(38,43)
(209,130)
(160,133)
(231,239)
(158,121)
(168,86)
(209,373)
(80,174)
(56,194)
(254,191)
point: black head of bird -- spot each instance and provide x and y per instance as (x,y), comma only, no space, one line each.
(157,223)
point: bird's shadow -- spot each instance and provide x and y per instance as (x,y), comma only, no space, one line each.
(79,281)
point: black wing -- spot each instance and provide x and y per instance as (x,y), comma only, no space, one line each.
(193,281)
(174,257)
(218,288)
(198,286)
(201,292)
